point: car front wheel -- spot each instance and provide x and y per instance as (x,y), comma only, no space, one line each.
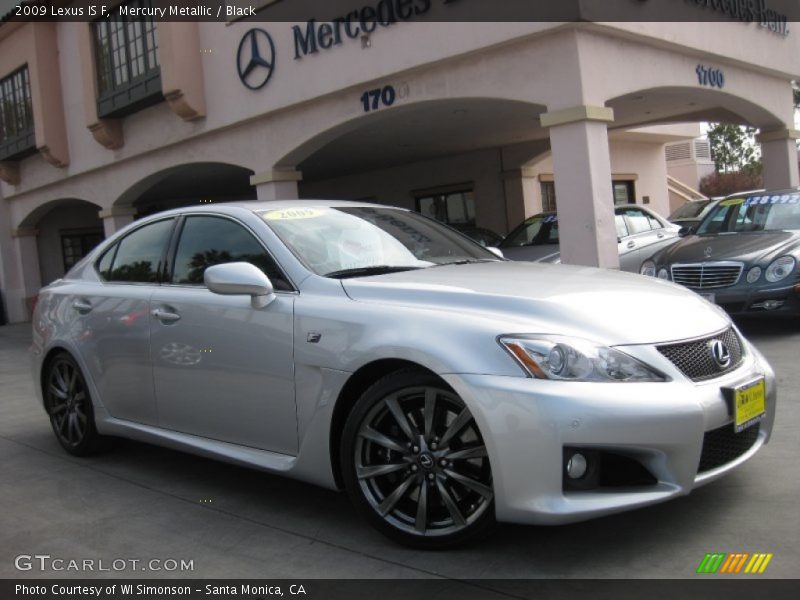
(415,463)
(69,406)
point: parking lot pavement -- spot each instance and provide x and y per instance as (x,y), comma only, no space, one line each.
(143,502)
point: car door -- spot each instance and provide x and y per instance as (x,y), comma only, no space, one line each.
(223,369)
(112,327)
(640,236)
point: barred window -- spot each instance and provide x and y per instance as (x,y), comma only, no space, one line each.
(16,115)
(126,55)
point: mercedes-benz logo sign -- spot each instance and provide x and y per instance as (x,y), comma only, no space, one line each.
(720,353)
(708,252)
(255,59)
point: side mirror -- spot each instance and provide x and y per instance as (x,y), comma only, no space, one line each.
(496,251)
(685,230)
(240,279)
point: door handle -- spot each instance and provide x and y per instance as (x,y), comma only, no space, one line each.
(82,306)
(660,235)
(631,244)
(165,316)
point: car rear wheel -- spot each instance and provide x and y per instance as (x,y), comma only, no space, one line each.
(415,463)
(69,406)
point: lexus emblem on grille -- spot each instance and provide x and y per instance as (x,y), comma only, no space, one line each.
(720,353)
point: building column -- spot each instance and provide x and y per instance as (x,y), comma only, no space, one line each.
(277,184)
(522,199)
(779,158)
(115,219)
(27,257)
(582,172)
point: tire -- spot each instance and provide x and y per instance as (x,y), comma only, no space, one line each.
(69,406)
(414,463)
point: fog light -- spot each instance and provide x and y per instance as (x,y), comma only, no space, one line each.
(768,304)
(576,466)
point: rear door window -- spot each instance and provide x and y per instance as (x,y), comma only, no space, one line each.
(137,256)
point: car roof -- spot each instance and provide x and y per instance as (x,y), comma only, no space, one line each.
(550,213)
(258,206)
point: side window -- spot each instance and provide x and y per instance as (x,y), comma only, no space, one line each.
(104,264)
(139,254)
(654,223)
(638,221)
(622,227)
(209,241)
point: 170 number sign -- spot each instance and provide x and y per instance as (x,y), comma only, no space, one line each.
(378,98)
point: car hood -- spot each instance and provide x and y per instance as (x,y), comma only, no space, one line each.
(750,247)
(607,306)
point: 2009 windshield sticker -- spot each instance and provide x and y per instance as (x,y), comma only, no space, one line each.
(776,199)
(290,214)
(732,202)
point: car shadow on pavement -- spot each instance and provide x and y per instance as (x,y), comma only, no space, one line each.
(593,548)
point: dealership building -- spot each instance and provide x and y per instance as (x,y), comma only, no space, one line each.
(475,123)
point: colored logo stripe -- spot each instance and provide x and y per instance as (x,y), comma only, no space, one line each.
(711,563)
(758,564)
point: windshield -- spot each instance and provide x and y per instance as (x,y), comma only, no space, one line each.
(538,230)
(690,210)
(352,241)
(754,213)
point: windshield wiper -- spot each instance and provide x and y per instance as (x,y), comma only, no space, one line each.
(367,271)
(467,261)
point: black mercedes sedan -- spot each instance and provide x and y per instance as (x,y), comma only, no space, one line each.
(744,255)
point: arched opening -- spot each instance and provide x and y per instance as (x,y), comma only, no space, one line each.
(65,230)
(450,159)
(187,185)
(652,113)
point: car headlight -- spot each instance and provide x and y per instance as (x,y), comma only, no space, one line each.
(753,274)
(780,269)
(648,268)
(663,274)
(573,359)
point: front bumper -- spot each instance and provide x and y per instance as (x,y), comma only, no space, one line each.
(747,299)
(526,424)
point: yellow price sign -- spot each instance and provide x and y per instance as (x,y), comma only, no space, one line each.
(290,214)
(749,405)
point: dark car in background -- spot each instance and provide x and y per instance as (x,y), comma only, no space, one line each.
(485,237)
(691,214)
(744,255)
(640,233)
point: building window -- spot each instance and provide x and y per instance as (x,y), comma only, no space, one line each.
(17,138)
(74,246)
(127,65)
(624,192)
(454,206)
(548,196)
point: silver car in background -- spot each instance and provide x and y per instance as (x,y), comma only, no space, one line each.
(641,232)
(369,348)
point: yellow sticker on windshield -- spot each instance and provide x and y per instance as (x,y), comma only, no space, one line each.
(288,214)
(732,202)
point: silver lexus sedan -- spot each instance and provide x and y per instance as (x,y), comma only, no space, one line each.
(369,348)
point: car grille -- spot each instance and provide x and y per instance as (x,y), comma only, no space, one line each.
(694,359)
(723,445)
(705,276)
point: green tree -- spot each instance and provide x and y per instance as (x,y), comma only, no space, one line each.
(733,148)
